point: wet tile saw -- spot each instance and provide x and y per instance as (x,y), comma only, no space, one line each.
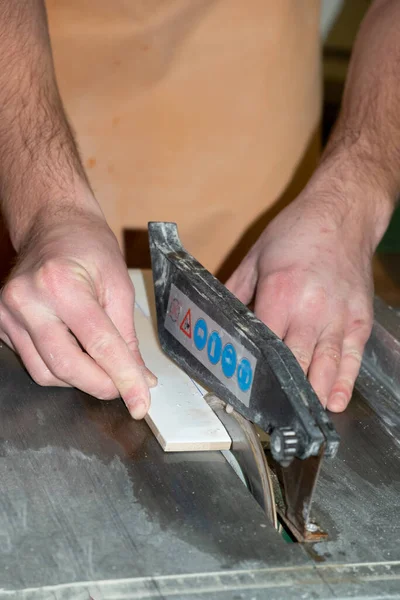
(252,376)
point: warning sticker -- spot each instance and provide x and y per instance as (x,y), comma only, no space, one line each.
(186,325)
(224,356)
(175,309)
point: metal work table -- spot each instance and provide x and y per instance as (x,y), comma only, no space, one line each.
(90,505)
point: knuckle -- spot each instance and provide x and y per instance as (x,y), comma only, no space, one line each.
(50,276)
(14,294)
(280,282)
(3,315)
(103,348)
(61,367)
(292,283)
(303,357)
(352,354)
(361,316)
(331,352)
(132,341)
(108,392)
(43,377)
(316,298)
(362,327)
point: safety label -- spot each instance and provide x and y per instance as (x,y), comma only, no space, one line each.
(186,325)
(216,349)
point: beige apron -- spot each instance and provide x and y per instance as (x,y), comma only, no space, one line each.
(194,111)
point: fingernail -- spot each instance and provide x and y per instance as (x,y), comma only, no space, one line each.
(150,378)
(337,402)
(138,410)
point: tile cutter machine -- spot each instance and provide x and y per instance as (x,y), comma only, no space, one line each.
(219,342)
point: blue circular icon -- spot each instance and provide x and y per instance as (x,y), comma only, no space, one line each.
(228,360)
(200,333)
(214,348)
(244,375)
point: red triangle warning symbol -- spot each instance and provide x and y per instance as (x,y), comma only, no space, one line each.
(186,325)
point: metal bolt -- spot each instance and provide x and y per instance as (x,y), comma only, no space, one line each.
(284,443)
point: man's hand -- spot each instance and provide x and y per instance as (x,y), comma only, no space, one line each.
(310,270)
(311,277)
(67,309)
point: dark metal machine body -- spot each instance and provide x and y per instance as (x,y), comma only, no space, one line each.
(276,396)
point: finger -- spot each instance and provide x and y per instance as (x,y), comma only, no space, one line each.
(353,347)
(20,341)
(325,362)
(273,303)
(301,338)
(52,357)
(67,362)
(4,316)
(102,341)
(242,282)
(120,309)
(6,340)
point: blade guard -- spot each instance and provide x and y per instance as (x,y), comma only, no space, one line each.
(281,401)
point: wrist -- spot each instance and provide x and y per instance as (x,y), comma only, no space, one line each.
(42,206)
(356,193)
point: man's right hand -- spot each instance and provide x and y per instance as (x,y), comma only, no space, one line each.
(67,310)
(67,307)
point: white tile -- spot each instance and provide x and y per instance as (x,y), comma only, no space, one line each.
(179,416)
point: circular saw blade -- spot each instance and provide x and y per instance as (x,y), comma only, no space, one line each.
(247,456)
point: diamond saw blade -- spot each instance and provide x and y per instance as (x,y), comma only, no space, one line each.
(246,456)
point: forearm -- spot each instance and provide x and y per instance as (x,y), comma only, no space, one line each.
(40,168)
(361,162)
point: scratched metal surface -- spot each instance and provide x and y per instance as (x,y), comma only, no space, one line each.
(358,495)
